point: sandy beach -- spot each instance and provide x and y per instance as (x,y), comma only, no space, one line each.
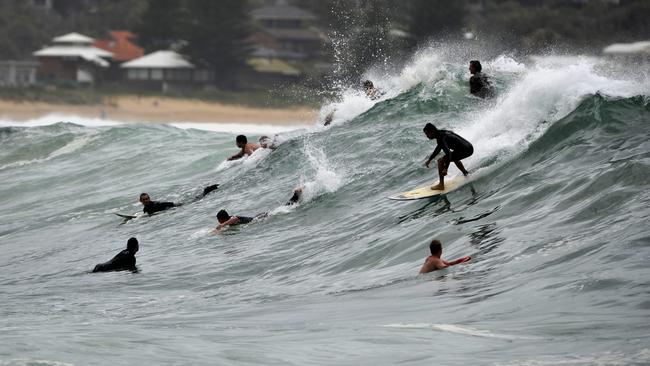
(160,110)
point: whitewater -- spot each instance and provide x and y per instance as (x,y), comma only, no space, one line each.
(555,217)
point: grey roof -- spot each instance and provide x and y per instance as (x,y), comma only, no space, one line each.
(281,11)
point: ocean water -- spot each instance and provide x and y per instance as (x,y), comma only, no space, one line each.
(555,218)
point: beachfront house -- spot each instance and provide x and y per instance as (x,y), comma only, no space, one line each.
(121,43)
(286,43)
(18,73)
(72,58)
(163,70)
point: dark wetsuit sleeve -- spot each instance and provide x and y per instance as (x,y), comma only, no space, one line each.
(445,147)
(154,207)
(244,220)
(435,152)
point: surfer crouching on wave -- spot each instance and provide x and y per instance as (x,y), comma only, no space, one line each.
(247,148)
(455,147)
(434,262)
(123,261)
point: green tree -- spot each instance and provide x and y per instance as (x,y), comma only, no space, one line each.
(162,24)
(216,37)
(435,18)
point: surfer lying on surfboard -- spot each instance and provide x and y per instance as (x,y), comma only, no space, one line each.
(455,147)
(227,220)
(434,262)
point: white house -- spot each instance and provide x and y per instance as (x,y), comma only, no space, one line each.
(72,57)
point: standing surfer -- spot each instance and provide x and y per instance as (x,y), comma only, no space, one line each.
(455,147)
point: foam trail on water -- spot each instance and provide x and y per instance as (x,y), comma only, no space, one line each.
(325,179)
(247,162)
(72,146)
(452,328)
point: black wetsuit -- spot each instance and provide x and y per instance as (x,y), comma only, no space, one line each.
(294,199)
(154,207)
(243,220)
(123,261)
(455,147)
(480,86)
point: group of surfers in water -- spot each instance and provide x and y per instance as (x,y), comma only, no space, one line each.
(454,147)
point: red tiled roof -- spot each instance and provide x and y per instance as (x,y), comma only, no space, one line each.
(121,45)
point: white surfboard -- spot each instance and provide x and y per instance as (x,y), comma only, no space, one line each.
(426,192)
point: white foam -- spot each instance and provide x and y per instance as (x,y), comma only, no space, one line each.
(234,128)
(325,180)
(247,162)
(72,146)
(452,328)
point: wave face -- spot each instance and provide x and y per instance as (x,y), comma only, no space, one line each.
(555,218)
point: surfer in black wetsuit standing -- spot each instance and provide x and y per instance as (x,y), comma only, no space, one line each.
(478,82)
(455,147)
(123,261)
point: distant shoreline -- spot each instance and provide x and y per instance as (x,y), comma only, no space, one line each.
(136,109)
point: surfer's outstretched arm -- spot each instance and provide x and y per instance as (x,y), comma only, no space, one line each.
(458,261)
(239,155)
(433,155)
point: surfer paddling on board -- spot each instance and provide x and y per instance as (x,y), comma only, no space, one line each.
(151,207)
(455,148)
(123,261)
(247,148)
(226,219)
(434,262)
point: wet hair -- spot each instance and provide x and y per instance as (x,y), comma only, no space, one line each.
(435,247)
(143,194)
(368,84)
(132,245)
(223,215)
(241,139)
(429,127)
(477,65)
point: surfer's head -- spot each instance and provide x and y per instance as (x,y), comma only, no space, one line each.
(144,198)
(435,247)
(475,66)
(368,85)
(132,245)
(241,141)
(430,130)
(222,216)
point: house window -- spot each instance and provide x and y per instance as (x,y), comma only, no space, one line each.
(138,74)
(156,74)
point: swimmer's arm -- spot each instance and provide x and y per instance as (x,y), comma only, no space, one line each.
(457,261)
(239,155)
(232,220)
